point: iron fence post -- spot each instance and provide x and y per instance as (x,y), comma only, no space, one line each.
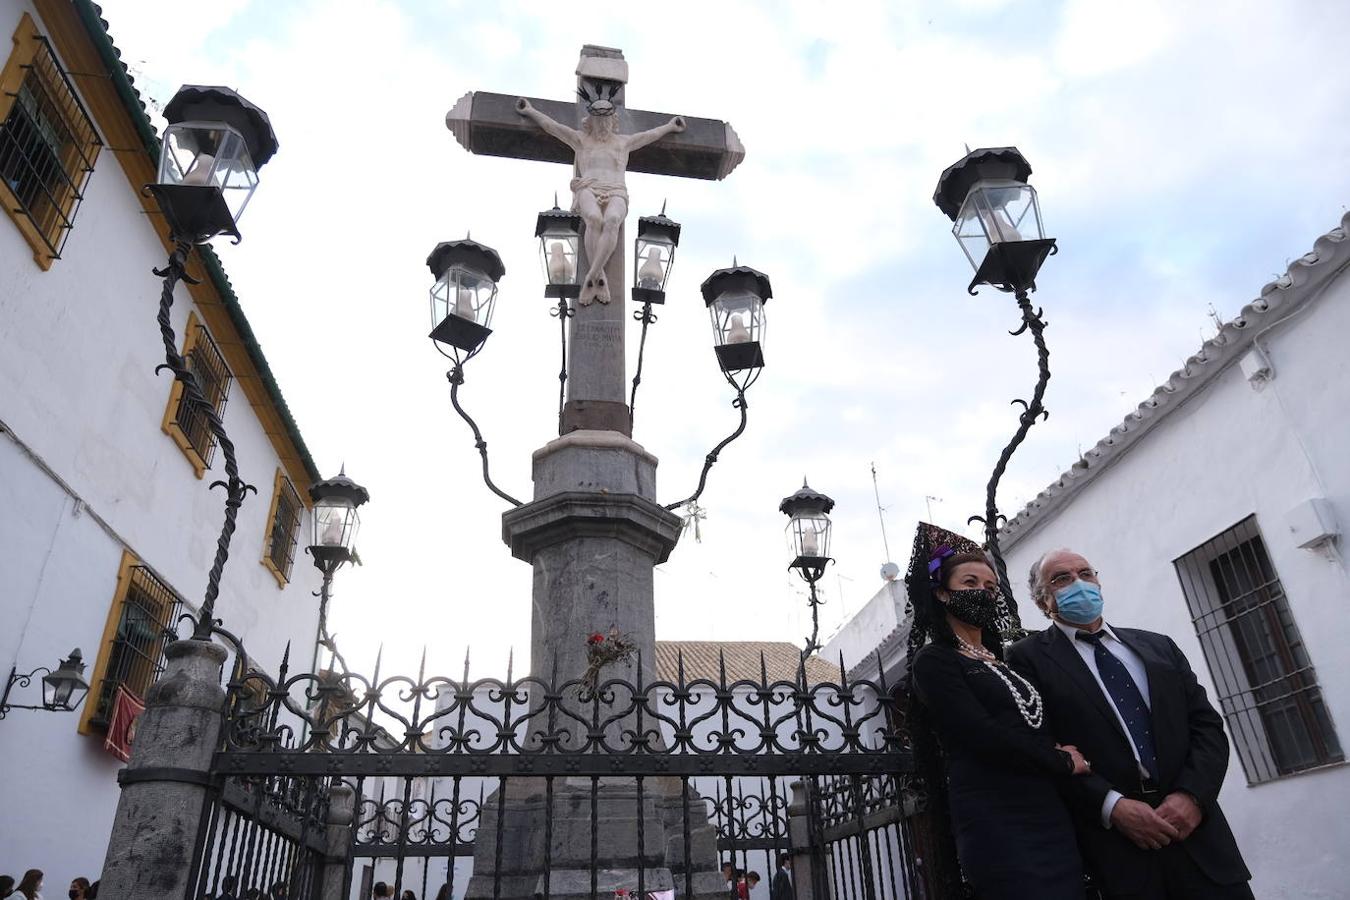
(167,785)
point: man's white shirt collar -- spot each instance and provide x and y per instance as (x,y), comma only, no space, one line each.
(1071,631)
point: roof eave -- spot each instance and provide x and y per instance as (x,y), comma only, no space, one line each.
(1300,284)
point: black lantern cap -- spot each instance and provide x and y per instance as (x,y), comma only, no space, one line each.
(659,226)
(734,278)
(978,165)
(555,216)
(339,486)
(197,102)
(806,500)
(466,252)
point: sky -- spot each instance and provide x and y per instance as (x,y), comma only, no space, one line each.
(1183,154)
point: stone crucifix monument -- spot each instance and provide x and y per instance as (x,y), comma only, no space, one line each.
(594,532)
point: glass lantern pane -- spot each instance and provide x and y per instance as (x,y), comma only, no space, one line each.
(235,174)
(809,535)
(463,292)
(335,524)
(652,268)
(737,318)
(559,248)
(997,211)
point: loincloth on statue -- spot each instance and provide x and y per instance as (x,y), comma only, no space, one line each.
(603,191)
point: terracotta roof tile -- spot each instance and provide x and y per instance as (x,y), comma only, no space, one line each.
(701,660)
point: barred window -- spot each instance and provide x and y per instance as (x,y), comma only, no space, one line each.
(1265,681)
(141,622)
(283,530)
(187,421)
(48,144)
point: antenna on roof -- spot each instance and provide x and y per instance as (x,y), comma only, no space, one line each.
(889,570)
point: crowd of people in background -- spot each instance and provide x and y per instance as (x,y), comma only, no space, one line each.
(29,887)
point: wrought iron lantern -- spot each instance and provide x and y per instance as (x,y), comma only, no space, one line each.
(653,256)
(559,233)
(735,298)
(213,147)
(64,689)
(808,531)
(336,519)
(463,296)
(996,217)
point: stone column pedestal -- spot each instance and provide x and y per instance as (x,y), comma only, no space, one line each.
(593,535)
(341,813)
(808,863)
(165,786)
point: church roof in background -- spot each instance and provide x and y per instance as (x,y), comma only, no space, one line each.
(703,659)
(1279,300)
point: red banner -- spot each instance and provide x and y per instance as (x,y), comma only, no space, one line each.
(127,708)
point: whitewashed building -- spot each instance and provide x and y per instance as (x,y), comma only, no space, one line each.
(1214,513)
(107,524)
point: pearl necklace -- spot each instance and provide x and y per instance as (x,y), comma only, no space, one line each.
(1031,708)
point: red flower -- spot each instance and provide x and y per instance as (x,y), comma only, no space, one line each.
(596,638)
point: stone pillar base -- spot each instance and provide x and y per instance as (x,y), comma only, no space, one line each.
(524,835)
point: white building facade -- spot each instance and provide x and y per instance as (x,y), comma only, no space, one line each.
(107,522)
(1212,515)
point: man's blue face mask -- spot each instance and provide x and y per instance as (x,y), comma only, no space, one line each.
(1080,603)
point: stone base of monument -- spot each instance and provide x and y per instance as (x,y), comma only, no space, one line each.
(510,855)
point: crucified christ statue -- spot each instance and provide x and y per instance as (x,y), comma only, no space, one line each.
(599,193)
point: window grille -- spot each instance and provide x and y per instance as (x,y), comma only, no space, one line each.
(48,145)
(147,611)
(213,377)
(285,527)
(1266,685)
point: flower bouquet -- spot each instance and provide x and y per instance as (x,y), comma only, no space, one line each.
(603,650)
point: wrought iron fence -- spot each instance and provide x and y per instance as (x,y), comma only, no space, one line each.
(529,788)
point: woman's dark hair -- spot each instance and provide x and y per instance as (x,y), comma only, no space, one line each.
(82,883)
(28,885)
(6,885)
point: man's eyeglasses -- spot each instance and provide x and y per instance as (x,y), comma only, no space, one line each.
(1064,579)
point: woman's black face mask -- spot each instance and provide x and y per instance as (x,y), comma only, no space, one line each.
(977,607)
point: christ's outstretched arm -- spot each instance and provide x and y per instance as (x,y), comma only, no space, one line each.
(569,136)
(651,136)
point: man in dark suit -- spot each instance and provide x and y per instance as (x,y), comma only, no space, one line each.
(1147,814)
(781,886)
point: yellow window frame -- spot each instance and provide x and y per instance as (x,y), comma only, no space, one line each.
(279,484)
(45,241)
(170,424)
(125,578)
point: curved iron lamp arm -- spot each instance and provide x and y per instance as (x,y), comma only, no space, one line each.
(1031,412)
(236,489)
(22,681)
(562,312)
(456,377)
(738,403)
(646,317)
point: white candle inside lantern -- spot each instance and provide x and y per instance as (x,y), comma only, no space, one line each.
(651,272)
(999,227)
(464,303)
(559,266)
(810,547)
(200,170)
(737,333)
(332,532)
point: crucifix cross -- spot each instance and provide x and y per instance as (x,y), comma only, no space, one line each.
(603,140)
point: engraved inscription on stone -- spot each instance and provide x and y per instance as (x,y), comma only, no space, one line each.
(598,334)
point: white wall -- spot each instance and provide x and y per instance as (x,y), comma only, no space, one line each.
(1228,453)
(862,636)
(78,348)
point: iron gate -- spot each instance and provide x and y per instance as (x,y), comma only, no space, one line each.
(327,783)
